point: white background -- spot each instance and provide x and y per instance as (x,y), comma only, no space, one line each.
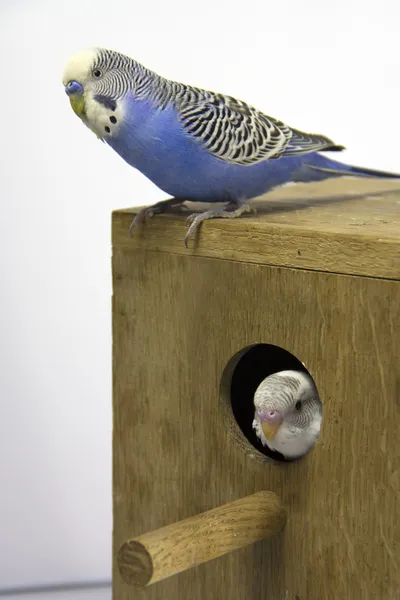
(331,68)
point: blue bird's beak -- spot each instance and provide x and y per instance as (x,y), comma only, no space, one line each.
(74,90)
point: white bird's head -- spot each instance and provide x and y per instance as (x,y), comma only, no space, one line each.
(288,413)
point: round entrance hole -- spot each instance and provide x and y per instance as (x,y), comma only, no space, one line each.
(241,378)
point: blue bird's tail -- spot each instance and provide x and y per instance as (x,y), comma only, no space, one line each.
(335,168)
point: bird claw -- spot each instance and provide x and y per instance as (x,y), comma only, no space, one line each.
(190,219)
(194,220)
(192,224)
(141,217)
(230,211)
(156,209)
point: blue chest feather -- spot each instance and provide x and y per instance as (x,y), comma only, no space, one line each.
(154,142)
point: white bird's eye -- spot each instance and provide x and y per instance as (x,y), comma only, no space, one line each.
(298,405)
(97,73)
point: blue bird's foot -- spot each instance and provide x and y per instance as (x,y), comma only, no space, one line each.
(156,209)
(230,211)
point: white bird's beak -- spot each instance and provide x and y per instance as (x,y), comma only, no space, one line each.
(270,429)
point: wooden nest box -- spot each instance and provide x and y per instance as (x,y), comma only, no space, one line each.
(312,281)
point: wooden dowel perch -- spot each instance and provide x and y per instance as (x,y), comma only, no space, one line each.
(183,545)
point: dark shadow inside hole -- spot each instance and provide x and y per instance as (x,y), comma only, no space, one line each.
(254,366)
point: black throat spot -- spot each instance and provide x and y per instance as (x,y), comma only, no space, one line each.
(106,101)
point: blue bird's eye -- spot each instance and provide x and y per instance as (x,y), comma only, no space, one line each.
(73,87)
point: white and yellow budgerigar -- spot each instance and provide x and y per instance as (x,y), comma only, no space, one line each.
(288,413)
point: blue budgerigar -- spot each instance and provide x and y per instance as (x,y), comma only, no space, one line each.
(194,144)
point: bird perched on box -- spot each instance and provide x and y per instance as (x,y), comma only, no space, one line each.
(194,144)
(288,413)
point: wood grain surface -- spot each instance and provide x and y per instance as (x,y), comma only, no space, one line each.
(183,545)
(178,319)
(341,226)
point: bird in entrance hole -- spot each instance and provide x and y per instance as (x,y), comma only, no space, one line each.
(194,144)
(288,413)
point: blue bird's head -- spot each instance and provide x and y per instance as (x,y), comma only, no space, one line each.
(96,81)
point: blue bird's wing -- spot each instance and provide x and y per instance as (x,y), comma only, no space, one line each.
(238,133)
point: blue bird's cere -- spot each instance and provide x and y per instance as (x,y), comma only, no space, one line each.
(72,88)
(193,144)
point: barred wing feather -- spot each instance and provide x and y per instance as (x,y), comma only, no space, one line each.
(238,133)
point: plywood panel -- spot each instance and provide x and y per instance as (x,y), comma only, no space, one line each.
(177,321)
